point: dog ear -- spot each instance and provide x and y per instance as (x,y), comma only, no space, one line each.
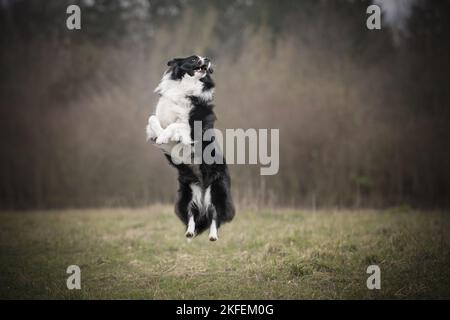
(189,72)
(211,70)
(187,68)
(173,62)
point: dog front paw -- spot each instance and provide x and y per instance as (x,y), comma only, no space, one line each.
(162,139)
(186,140)
(189,234)
(176,136)
(182,136)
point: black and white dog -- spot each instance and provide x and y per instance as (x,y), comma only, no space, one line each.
(186,92)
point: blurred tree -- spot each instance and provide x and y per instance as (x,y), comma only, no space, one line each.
(362,118)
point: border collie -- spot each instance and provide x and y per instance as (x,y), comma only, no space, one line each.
(186,92)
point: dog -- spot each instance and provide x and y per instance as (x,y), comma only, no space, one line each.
(204,190)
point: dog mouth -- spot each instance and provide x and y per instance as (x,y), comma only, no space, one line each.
(202,68)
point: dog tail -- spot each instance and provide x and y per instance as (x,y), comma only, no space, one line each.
(203,218)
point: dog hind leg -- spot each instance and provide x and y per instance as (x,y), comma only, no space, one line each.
(213,231)
(190,232)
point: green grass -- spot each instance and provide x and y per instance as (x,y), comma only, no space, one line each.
(283,254)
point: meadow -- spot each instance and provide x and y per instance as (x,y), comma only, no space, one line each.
(265,254)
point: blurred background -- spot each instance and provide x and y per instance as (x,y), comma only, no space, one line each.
(363,114)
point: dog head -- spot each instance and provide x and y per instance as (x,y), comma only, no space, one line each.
(194,66)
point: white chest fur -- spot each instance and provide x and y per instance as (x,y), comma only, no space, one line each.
(169,112)
(174,104)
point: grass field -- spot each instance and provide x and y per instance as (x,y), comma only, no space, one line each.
(142,253)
